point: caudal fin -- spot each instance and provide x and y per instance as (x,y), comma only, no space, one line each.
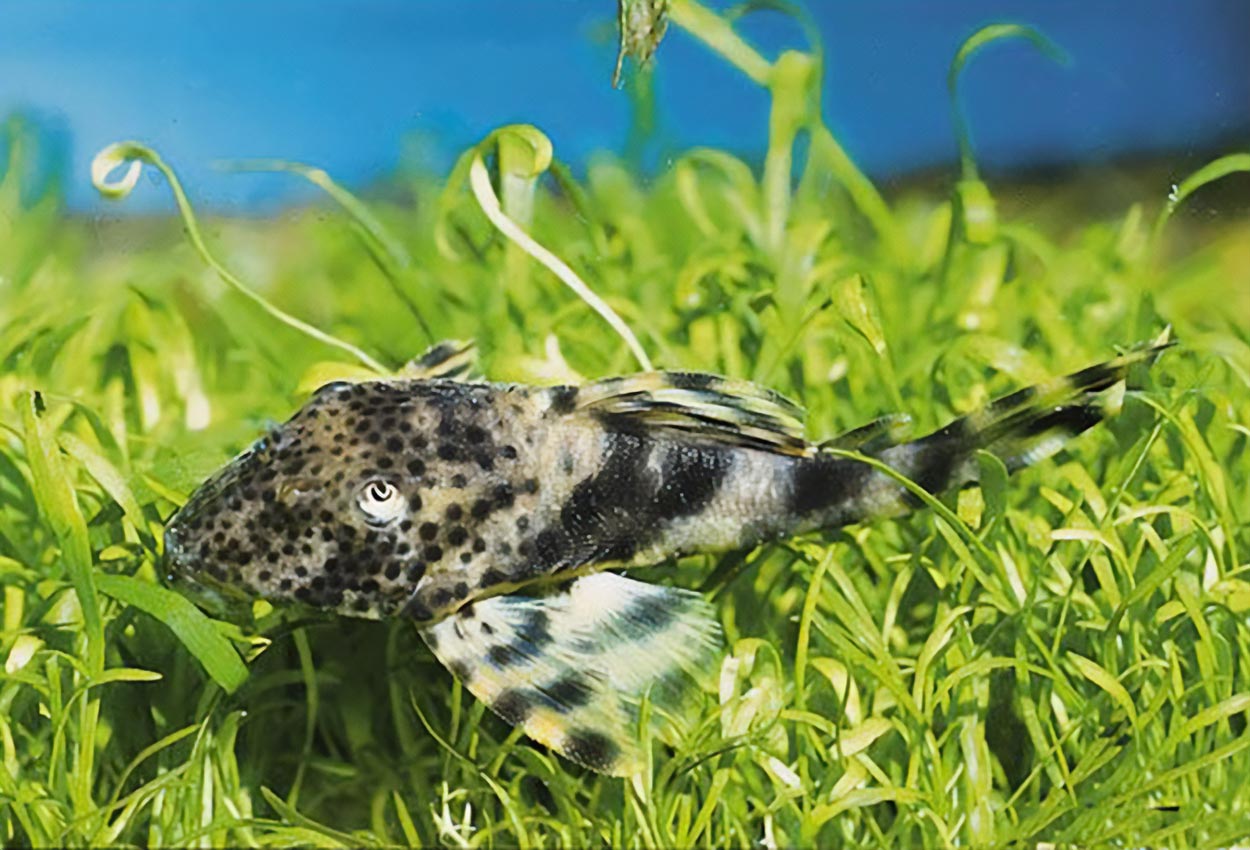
(1020,429)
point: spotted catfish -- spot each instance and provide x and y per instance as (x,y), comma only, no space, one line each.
(488,514)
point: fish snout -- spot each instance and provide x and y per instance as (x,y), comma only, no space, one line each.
(175,561)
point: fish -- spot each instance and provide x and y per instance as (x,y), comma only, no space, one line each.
(502,520)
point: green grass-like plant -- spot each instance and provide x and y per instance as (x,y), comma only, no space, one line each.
(1060,657)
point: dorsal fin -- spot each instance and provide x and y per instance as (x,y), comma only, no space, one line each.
(572,668)
(707,406)
(449,360)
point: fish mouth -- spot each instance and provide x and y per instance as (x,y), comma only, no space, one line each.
(180,575)
(181,565)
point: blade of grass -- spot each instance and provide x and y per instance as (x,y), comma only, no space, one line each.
(189,624)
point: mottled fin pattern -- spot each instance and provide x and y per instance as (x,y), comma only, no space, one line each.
(736,413)
(573,667)
(1025,427)
(449,360)
(1033,423)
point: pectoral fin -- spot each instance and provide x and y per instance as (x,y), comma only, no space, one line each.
(573,667)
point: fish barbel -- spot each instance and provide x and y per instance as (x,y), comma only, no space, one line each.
(489,514)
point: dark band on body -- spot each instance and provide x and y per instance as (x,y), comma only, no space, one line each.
(627,503)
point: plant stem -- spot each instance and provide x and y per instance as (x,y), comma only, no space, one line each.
(479,180)
(117,154)
(718,34)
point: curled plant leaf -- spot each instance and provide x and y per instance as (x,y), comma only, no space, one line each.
(389,253)
(134,155)
(484,192)
(1237,163)
(971,46)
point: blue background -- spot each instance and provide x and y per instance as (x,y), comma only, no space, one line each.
(356,86)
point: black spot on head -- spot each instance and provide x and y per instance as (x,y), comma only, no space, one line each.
(491,577)
(591,749)
(428,531)
(416,467)
(548,546)
(503,495)
(394,444)
(454,512)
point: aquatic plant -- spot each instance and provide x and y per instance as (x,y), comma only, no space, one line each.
(1056,658)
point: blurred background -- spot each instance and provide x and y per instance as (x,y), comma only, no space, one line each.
(364,89)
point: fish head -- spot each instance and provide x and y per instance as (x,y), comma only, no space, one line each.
(320,511)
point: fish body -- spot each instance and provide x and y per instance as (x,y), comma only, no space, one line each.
(489,513)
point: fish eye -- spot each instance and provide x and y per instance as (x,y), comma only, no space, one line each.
(380,500)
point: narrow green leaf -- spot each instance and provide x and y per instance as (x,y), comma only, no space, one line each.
(55,496)
(1100,677)
(971,46)
(106,475)
(188,623)
(1236,163)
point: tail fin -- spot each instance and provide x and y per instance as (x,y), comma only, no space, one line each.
(1023,428)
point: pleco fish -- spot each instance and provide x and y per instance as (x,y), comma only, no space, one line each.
(488,514)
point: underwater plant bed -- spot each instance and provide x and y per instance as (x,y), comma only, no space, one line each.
(1060,657)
